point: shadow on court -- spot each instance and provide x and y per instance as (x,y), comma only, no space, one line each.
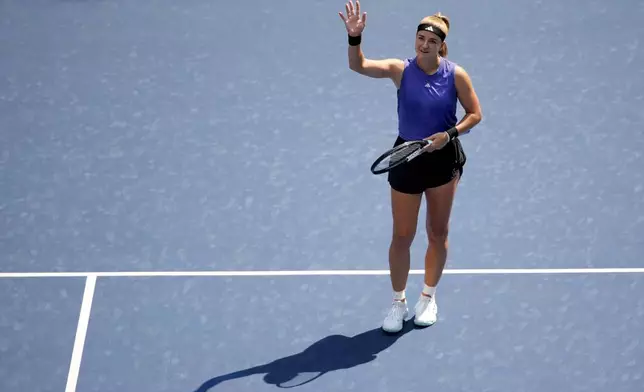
(334,352)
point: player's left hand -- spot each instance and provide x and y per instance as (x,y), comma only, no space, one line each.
(439,140)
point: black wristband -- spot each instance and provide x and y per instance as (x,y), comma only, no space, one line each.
(453,133)
(355,41)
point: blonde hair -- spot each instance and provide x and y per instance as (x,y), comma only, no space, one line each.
(441,21)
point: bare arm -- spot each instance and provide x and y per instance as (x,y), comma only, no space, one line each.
(385,68)
(469,100)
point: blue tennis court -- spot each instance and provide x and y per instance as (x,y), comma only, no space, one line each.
(186,202)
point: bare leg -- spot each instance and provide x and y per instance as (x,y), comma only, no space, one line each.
(405,209)
(439,208)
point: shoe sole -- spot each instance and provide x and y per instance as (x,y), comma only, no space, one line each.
(401,327)
(391,332)
(423,325)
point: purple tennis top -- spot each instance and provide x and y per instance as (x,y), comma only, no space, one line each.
(426,103)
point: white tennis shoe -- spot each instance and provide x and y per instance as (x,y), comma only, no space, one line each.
(426,311)
(395,317)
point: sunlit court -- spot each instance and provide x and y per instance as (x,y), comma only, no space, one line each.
(189,199)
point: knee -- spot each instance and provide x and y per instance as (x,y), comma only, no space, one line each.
(402,239)
(438,235)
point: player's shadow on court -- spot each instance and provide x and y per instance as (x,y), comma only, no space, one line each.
(334,352)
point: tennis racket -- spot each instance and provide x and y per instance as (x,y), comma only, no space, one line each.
(398,155)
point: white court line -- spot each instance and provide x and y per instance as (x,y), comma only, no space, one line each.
(81,332)
(483,271)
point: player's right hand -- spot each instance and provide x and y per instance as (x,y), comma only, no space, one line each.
(353,22)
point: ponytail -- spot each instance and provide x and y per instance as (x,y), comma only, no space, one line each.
(443,50)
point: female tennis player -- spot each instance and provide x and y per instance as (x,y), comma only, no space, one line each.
(428,88)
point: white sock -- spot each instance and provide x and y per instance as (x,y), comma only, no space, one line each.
(399,295)
(429,291)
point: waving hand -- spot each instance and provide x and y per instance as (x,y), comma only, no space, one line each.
(353,22)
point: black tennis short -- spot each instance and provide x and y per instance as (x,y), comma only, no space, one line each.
(428,170)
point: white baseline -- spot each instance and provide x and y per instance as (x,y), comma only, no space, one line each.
(269,273)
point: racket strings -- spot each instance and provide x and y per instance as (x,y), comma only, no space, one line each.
(397,155)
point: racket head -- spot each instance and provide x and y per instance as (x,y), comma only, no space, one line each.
(398,155)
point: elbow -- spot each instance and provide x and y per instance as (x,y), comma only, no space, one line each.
(471,120)
(356,63)
(355,67)
(478,116)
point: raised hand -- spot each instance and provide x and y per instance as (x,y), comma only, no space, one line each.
(353,22)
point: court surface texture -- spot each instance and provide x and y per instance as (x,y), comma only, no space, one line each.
(186,202)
